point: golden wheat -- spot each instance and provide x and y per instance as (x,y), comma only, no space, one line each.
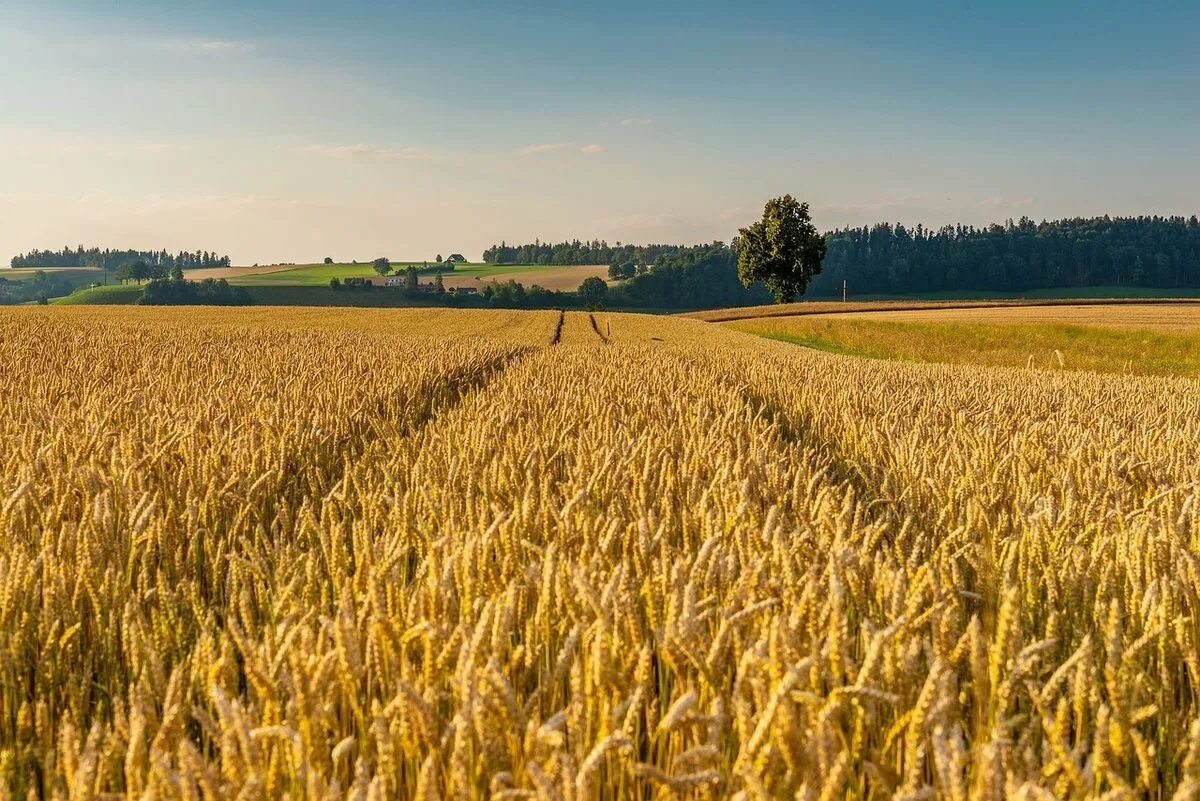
(379,554)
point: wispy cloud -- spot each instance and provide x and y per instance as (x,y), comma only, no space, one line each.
(213,46)
(558,147)
(533,150)
(636,122)
(364,152)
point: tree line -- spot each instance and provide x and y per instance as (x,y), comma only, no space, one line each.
(696,277)
(576,252)
(1160,252)
(82,257)
(39,287)
(178,292)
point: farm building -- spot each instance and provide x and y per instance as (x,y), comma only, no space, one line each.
(456,258)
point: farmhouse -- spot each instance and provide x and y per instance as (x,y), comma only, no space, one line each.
(456,258)
(394,281)
(464,290)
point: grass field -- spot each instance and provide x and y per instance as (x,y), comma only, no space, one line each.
(324,296)
(1179,316)
(816,307)
(555,279)
(113,295)
(72,273)
(305,275)
(1052,293)
(325,553)
(463,274)
(1128,338)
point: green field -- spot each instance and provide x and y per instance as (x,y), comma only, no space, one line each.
(113,295)
(1053,346)
(1055,293)
(318,295)
(56,272)
(321,274)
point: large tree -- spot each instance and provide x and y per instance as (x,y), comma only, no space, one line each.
(592,291)
(783,250)
(138,271)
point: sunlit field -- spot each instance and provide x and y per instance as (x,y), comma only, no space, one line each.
(1144,309)
(1146,340)
(319,553)
(461,274)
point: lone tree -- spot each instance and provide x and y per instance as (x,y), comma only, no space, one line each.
(382,266)
(783,250)
(592,291)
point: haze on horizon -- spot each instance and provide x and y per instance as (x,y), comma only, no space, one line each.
(289,131)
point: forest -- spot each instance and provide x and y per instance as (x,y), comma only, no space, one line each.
(887,259)
(698,277)
(1161,252)
(576,252)
(884,259)
(81,257)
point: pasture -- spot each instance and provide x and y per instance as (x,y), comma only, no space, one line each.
(317,553)
(1144,339)
(476,275)
(553,278)
(111,295)
(22,273)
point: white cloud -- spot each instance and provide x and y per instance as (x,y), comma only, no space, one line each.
(362,151)
(213,46)
(558,147)
(636,122)
(223,45)
(533,150)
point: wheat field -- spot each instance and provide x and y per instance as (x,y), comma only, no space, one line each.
(381,554)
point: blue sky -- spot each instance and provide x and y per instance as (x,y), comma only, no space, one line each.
(288,131)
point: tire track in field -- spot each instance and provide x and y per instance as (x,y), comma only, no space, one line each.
(596,328)
(379,422)
(906,514)
(558,327)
